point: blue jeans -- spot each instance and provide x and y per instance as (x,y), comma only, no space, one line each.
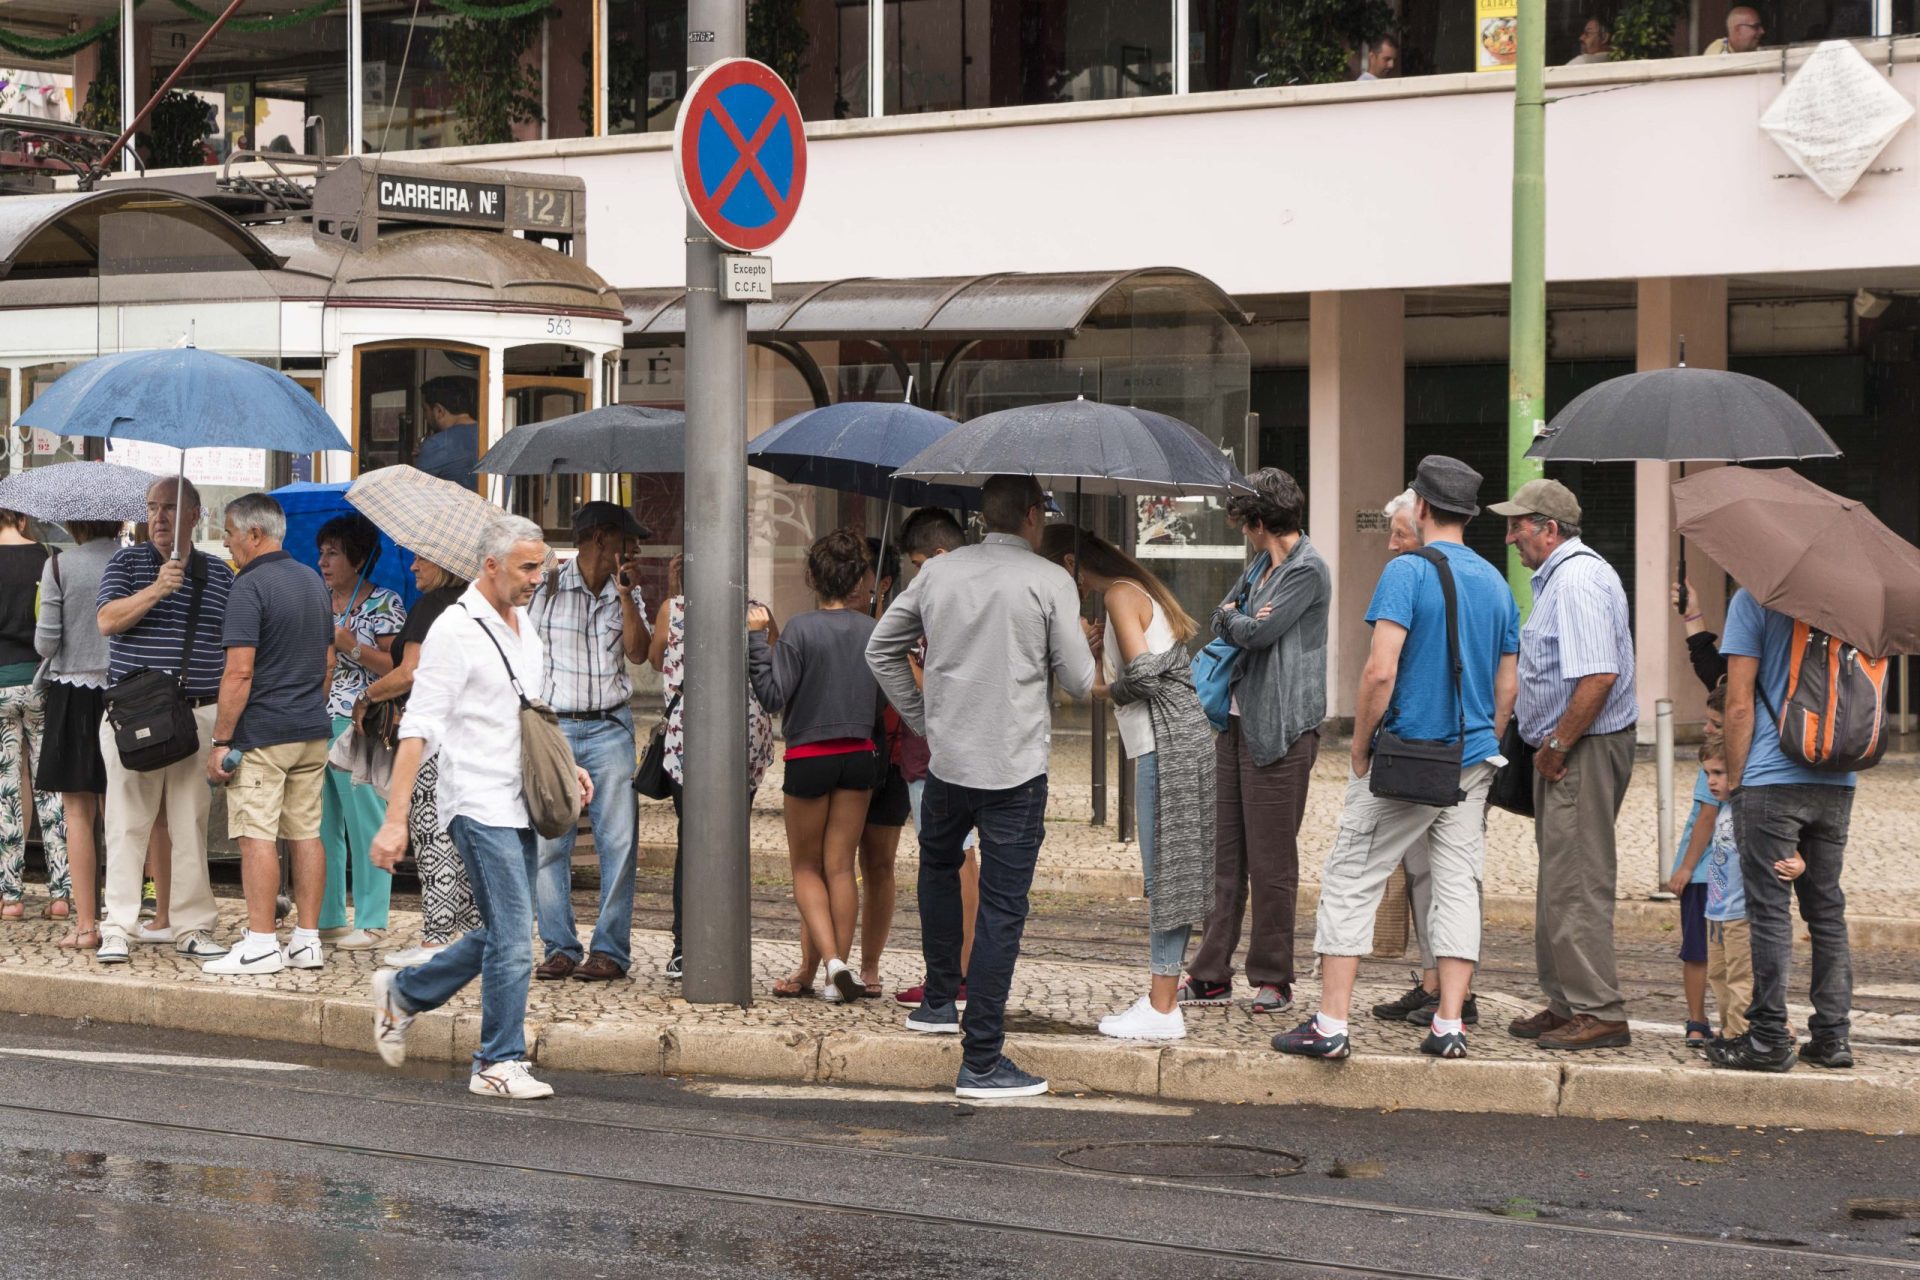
(916,795)
(1012,824)
(500,868)
(1770,822)
(604,748)
(1166,948)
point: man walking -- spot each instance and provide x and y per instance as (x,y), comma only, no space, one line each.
(273,711)
(463,710)
(998,620)
(1412,689)
(1577,711)
(154,609)
(591,619)
(1780,806)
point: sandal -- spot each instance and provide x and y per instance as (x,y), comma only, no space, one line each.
(57,909)
(81,940)
(1698,1034)
(13,910)
(790,989)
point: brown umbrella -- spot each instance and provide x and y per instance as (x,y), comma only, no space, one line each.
(1808,553)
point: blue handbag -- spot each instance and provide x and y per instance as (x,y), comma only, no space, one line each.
(1214,665)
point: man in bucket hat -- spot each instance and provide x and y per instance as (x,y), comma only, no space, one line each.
(1409,689)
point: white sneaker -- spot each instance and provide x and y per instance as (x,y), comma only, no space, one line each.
(410,956)
(305,956)
(390,1021)
(147,933)
(198,945)
(238,963)
(1141,1021)
(844,982)
(508,1080)
(112,949)
(355,940)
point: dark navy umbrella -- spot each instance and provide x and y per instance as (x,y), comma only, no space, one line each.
(855,446)
(1083,446)
(615,439)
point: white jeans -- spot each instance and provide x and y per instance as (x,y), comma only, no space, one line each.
(1375,835)
(134,801)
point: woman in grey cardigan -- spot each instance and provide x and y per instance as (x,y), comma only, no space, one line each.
(1277,619)
(69,638)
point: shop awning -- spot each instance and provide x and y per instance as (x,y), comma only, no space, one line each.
(1004,304)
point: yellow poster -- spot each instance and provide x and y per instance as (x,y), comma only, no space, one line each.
(1497,31)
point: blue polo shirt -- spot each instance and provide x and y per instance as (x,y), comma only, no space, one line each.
(1423,703)
(154,642)
(279,609)
(1754,631)
(451,454)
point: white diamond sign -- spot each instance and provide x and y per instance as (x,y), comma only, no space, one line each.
(1836,117)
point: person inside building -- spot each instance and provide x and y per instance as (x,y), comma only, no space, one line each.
(1744,31)
(453,450)
(1382,59)
(1596,43)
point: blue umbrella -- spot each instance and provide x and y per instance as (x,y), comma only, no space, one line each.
(855,446)
(309,506)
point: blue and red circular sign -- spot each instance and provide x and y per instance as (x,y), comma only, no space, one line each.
(740,153)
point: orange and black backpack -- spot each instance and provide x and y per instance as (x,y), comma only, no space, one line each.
(1834,718)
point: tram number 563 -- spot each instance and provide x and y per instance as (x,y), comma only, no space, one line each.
(560,326)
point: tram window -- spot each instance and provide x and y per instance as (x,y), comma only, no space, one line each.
(392,416)
(549,502)
(28,446)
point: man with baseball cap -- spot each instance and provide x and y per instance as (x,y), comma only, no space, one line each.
(590,615)
(1577,710)
(1412,690)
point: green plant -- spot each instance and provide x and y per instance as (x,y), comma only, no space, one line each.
(777,37)
(491,86)
(101,109)
(1307,41)
(1644,29)
(177,129)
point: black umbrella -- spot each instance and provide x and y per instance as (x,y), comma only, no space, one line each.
(615,439)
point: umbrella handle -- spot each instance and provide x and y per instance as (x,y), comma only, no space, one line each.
(1685,598)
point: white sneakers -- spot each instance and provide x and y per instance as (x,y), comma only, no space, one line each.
(112,949)
(147,933)
(303,955)
(1141,1021)
(355,940)
(238,963)
(508,1080)
(390,1021)
(408,957)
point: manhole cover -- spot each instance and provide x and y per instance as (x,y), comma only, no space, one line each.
(1184,1160)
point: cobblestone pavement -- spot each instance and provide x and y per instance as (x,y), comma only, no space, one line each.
(1882,876)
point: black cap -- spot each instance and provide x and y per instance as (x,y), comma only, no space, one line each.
(607,515)
(1449,484)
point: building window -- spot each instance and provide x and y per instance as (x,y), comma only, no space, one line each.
(952,55)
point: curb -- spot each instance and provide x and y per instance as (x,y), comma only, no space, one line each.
(1179,1073)
(1632,917)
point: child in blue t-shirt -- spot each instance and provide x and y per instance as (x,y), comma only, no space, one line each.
(1729,950)
(1688,881)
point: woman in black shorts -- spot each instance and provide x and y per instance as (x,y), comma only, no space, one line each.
(816,676)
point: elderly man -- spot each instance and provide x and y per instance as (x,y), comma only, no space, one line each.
(1596,43)
(593,622)
(273,712)
(463,710)
(998,620)
(162,613)
(1744,31)
(1577,711)
(1440,672)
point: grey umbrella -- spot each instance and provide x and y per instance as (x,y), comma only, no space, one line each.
(615,439)
(78,491)
(1683,415)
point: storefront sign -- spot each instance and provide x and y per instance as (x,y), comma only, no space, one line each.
(745,279)
(437,197)
(1497,31)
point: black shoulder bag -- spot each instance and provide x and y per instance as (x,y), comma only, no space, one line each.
(153,725)
(1421,770)
(651,778)
(1512,785)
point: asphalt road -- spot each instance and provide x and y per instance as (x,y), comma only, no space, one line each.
(132,1152)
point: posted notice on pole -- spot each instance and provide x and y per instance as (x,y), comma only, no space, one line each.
(1497,32)
(746,279)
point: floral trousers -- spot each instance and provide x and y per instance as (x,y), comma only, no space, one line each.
(21,725)
(446,899)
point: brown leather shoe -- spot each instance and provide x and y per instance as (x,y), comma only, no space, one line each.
(598,968)
(1538,1025)
(1588,1032)
(555,967)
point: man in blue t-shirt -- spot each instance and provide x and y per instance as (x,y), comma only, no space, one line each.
(453,449)
(1408,689)
(1778,807)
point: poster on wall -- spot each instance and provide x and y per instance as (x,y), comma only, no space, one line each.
(235,468)
(1497,31)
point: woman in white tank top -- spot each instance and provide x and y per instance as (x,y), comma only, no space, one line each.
(1142,618)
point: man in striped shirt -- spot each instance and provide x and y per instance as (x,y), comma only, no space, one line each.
(1577,710)
(146,597)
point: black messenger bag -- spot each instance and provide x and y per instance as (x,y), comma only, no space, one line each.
(1421,770)
(153,724)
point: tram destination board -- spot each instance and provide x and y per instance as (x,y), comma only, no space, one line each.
(357,197)
(476,201)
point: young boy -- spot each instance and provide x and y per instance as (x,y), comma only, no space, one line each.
(1688,882)
(1729,952)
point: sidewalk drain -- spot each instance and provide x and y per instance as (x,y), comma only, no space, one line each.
(1184,1159)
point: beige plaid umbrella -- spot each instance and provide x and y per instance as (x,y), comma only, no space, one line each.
(435,519)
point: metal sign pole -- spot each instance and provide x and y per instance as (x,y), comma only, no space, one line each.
(714,820)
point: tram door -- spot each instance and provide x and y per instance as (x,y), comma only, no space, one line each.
(397,385)
(548,502)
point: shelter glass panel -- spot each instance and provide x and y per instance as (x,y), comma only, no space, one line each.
(951,55)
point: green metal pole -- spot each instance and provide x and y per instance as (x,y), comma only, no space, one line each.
(1527,359)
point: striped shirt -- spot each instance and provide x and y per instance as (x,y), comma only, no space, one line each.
(1578,628)
(586,654)
(154,642)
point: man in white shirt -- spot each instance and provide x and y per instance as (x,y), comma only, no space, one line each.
(463,708)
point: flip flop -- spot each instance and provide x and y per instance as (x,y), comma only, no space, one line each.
(793,991)
(872,991)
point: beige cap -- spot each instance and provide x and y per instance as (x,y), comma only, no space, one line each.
(1547,498)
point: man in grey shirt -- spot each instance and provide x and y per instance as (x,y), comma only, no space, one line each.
(998,621)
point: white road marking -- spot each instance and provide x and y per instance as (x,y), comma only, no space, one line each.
(152,1059)
(831,1093)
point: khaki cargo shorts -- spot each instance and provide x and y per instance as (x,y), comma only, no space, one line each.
(275,793)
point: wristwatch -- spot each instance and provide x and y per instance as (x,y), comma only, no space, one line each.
(1554,744)
(223,742)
